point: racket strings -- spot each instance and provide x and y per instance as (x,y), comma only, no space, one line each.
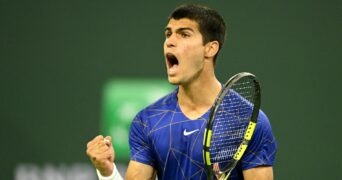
(231,120)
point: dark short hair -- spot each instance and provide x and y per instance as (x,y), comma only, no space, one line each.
(210,22)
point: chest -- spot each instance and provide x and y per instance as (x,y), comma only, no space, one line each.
(178,138)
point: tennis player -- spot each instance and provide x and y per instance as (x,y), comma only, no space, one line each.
(166,137)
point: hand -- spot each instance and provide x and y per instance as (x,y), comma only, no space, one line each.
(101,154)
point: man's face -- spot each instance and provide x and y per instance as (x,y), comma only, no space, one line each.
(183,51)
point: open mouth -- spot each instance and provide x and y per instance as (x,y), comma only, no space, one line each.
(171,60)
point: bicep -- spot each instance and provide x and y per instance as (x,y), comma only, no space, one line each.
(137,170)
(261,172)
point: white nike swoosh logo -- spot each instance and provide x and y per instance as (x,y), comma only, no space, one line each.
(187,133)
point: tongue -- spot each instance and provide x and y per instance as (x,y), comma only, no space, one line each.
(173,68)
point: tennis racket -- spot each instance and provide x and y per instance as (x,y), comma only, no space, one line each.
(231,125)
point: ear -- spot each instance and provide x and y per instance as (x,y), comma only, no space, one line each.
(211,49)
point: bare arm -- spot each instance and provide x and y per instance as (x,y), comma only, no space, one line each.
(257,173)
(139,171)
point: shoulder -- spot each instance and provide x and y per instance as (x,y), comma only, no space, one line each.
(141,143)
(263,122)
(264,128)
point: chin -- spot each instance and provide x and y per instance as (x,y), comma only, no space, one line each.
(173,81)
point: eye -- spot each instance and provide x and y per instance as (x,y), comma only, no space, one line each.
(167,34)
(185,34)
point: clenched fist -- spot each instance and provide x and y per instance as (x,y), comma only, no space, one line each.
(101,154)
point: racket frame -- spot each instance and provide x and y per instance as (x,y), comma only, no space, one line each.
(249,130)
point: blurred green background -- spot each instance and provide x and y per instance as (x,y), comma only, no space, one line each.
(56,57)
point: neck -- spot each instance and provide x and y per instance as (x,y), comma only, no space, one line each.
(196,98)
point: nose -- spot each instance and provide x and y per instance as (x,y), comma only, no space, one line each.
(170,41)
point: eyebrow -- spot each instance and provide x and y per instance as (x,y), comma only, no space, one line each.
(180,29)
